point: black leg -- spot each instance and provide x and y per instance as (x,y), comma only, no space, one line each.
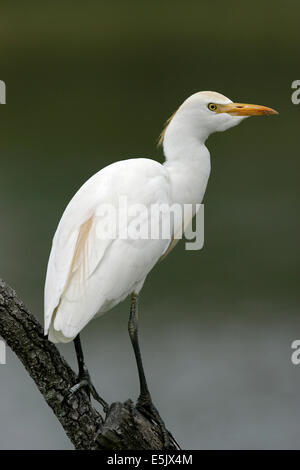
(84,379)
(133,333)
(144,403)
(79,354)
(82,370)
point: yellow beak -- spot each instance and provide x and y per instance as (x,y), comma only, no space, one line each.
(242,109)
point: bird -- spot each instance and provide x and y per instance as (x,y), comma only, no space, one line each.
(89,273)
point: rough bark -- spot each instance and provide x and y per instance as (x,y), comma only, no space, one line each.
(124,427)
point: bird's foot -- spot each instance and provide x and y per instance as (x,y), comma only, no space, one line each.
(84,381)
(146,407)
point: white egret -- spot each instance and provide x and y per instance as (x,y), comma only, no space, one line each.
(87,273)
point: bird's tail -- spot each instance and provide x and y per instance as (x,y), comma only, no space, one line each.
(56,336)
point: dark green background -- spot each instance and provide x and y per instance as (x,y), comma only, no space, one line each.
(92,82)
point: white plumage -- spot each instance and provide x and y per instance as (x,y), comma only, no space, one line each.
(88,275)
(104,271)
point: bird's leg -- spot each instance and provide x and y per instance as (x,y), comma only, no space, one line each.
(84,379)
(144,403)
(83,373)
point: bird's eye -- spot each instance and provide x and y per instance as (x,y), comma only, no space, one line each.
(212,106)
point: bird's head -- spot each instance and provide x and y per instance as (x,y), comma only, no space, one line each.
(206,112)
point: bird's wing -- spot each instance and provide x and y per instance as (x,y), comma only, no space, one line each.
(71,250)
(77,249)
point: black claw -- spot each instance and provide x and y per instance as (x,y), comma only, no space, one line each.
(81,384)
(84,381)
(146,407)
(97,397)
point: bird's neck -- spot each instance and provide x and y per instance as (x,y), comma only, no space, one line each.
(188,165)
(184,137)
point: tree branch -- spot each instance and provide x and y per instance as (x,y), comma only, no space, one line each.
(123,428)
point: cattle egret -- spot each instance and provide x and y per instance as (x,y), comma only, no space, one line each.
(88,274)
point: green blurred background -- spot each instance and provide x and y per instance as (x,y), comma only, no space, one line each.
(92,82)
